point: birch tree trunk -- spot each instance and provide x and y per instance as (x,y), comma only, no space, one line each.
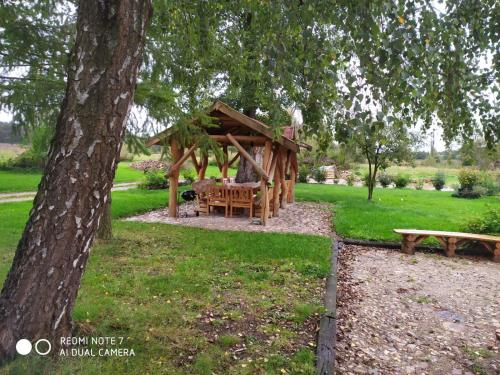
(105,230)
(38,296)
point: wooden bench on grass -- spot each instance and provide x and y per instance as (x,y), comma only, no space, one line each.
(449,240)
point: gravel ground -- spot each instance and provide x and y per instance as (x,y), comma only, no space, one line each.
(304,218)
(422,314)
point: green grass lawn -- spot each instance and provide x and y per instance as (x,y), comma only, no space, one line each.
(355,217)
(187,299)
(20,181)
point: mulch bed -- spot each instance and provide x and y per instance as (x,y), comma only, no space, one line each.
(422,314)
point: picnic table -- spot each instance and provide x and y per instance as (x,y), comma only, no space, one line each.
(449,240)
(253,185)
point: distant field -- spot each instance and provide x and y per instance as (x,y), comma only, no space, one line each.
(422,172)
(8,151)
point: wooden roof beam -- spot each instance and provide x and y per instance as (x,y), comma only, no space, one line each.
(240,138)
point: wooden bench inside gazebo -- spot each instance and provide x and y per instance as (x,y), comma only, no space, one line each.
(277,170)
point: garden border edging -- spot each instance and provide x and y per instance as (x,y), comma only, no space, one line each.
(328,322)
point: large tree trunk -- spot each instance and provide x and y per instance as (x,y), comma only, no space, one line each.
(38,296)
(105,231)
(246,172)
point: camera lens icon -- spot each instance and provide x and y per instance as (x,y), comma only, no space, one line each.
(42,347)
(23,347)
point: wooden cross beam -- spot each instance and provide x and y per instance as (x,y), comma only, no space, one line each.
(236,157)
(180,161)
(247,156)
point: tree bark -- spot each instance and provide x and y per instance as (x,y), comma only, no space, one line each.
(246,172)
(38,296)
(370,180)
(105,231)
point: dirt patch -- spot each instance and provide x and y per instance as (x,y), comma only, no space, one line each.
(304,218)
(400,314)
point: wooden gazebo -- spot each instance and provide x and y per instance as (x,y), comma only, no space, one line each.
(279,158)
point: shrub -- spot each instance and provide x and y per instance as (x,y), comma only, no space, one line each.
(488,183)
(419,185)
(189,175)
(154,179)
(350,179)
(438,181)
(467,178)
(384,179)
(303,173)
(319,175)
(401,180)
(467,193)
(488,223)
(36,156)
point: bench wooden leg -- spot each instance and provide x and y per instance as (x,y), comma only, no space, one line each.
(496,253)
(408,244)
(451,246)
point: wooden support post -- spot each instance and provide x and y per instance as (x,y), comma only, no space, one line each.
(203,167)
(274,162)
(293,178)
(277,184)
(173,179)
(284,189)
(288,157)
(293,163)
(225,164)
(264,201)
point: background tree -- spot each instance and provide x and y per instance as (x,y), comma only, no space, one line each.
(38,296)
(259,57)
(36,39)
(378,141)
(421,64)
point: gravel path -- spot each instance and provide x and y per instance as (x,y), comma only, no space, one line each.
(304,218)
(424,314)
